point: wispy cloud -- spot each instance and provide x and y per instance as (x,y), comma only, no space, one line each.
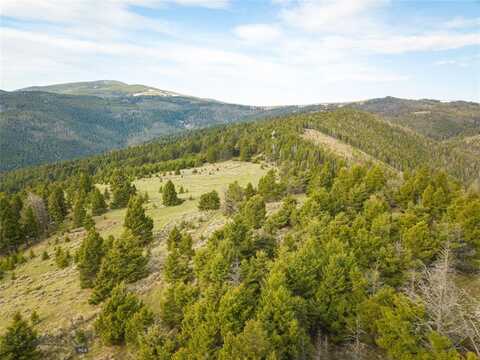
(306,51)
(257,33)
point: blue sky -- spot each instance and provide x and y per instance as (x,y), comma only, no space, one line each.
(267,52)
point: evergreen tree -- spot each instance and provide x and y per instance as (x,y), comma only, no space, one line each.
(174,238)
(85,183)
(89,258)
(249,191)
(62,258)
(30,226)
(175,299)
(88,222)
(137,222)
(254,212)
(115,314)
(209,201)
(124,261)
(79,212)
(268,187)
(57,207)
(233,198)
(122,190)
(97,202)
(10,229)
(19,342)
(138,325)
(169,195)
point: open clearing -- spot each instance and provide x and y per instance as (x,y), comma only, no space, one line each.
(56,294)
(344,150)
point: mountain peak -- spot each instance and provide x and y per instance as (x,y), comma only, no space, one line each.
(102,88)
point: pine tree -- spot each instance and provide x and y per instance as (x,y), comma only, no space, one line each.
(124,261)
(30,226)
(175,299)
(169,195)
(233,198)
(88,222)
(254,212)
(10,230)
(85,183)
(62,258)
(57,208)
(79,212)
(139,224)
(174,238)
(97,203)
(268,187)
(19,342)
(90,255)
(249,191)
(122,189)
(117,311)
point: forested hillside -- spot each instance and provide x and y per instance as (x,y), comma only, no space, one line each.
(400,148)
(315,258)
(46,124)
(42,127)
(432,118)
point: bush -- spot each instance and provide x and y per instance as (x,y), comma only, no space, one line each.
(209,201)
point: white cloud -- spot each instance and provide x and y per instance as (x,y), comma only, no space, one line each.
(311,52)
(212,4)
(460,22)
(330,15)
(257,33)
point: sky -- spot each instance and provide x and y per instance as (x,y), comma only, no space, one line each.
(258,52)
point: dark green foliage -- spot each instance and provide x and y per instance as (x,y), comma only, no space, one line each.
(19,341)
(10,229)
(124,261)
(268,187)
(254,211)
(175,299)
(209,201)
(30,226)
(178,263)
(45,255)
(113,120)
(57,208)
(79,212)
(138,325)
(169,195)
(137,222)
(233,198)
(97,203)
(121,188)
(89,258)
(120,308)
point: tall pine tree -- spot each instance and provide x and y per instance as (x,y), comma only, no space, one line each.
(137,222)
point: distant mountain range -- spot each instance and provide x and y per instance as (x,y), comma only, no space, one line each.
(45,124)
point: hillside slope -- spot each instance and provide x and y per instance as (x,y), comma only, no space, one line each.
(39,127)
(432,118)
(101,88)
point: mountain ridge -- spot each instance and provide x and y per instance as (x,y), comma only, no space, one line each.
(44,124)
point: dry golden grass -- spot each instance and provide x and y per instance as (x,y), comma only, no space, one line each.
(55,294)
